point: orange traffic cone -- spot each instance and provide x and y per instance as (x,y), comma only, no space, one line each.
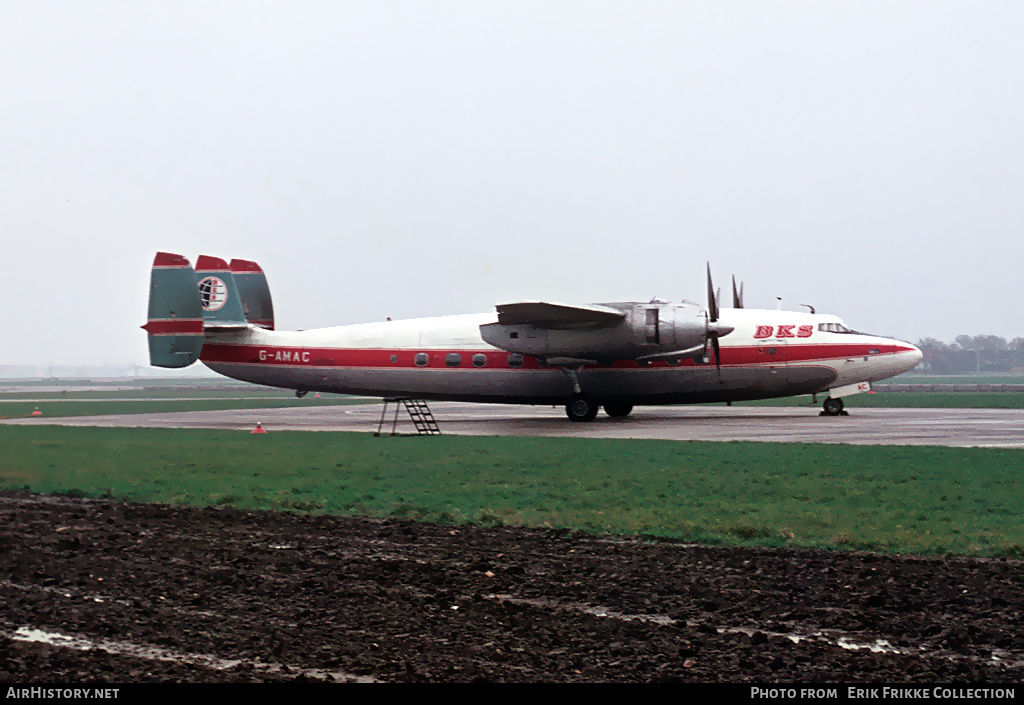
(259,428)
(37,412)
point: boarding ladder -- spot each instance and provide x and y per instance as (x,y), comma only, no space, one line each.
(419,413)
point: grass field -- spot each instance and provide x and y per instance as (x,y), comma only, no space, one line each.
(910,400)
(898,499)
(154,393)
(66,407)
(978,378)
(133,396)
(88,400)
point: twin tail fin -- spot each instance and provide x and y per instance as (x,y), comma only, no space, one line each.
(187,303)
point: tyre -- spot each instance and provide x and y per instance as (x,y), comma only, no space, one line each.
(618,409)
(833,407)
(581,407)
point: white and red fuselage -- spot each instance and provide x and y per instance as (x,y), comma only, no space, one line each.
(769,353)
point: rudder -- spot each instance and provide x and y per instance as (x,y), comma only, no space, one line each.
(175,320)
(254,292)
(218,295)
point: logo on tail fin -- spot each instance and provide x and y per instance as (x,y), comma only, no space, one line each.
(213,292)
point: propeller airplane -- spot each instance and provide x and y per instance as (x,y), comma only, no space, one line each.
(611,355)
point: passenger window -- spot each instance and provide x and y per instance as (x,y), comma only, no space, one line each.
(515,360)
(479,360)
(421,359)
(453,359)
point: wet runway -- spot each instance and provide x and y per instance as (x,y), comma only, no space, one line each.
(996,428)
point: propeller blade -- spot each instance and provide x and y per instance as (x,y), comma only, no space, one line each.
(718,361)
(712,302)
(737,297)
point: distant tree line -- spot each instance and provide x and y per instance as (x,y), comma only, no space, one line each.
(979,353)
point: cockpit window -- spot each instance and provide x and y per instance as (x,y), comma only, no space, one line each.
(834,328)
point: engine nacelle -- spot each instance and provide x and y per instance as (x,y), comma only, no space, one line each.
(646,329)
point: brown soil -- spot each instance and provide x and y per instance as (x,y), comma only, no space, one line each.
(137,592)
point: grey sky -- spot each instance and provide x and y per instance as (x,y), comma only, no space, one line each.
(408,159)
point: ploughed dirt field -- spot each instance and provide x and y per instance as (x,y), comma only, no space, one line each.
(105,591)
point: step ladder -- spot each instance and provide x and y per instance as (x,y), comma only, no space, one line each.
(418,411)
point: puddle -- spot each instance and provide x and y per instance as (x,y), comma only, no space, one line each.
(833,637)
(154,653)
(597,611)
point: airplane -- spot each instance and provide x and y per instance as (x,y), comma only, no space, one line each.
(611,355)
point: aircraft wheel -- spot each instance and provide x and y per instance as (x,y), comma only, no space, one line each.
(833,407)
(618,409)
(581,407)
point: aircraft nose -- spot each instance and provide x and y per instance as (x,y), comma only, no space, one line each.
(911,356)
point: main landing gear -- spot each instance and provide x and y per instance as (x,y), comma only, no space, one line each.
(833,406)
(583,407)
(618,410)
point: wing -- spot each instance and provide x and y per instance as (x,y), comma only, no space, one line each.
(543,314)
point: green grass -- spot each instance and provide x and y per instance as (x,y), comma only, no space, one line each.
(976,378)
(897,499)
(86,403)
(11,410)
(910,400)
(157,393)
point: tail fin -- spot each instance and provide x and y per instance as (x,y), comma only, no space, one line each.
(218,296)
(254,292)
(175,324)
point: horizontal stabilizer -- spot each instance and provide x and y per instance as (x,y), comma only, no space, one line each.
(542,314)
(214,327)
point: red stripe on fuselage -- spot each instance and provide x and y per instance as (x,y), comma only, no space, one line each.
(756,355)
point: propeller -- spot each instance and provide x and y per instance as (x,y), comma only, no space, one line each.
(713,330)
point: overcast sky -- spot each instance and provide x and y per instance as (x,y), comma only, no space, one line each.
(386,158)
